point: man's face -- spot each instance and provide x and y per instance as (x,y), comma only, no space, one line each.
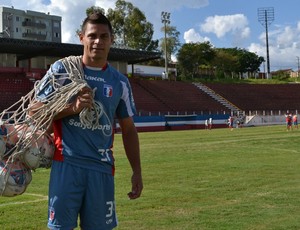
(96,40)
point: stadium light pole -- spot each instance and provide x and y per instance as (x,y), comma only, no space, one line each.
(298,66)
(266,17)
(165,19)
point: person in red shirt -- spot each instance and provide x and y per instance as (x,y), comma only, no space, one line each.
(288,119)
(295,121)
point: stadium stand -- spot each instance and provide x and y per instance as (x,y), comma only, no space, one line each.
(158,97)
(145,101)
(13,87)
(152,97)
(260,96)
(170,97)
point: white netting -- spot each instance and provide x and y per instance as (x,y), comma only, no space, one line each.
(24,131)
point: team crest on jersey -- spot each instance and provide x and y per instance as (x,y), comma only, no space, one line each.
(107,90)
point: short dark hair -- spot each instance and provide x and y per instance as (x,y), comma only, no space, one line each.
(96,18)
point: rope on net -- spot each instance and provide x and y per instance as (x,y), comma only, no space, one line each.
(26,126)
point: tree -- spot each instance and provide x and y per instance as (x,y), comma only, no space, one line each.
(235,61)
(89,11)
(173,42)
(192,56)
(225,64)
(94,9)
(131,28)
(249,62)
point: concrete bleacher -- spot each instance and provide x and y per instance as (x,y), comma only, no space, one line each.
(260,96)
(173,97)
(158,97)
(13,87)
(145,100)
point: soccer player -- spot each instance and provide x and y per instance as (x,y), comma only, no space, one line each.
(82,173)
(295,121)
(288,119)
(206,124)
(230,122)
(210,122)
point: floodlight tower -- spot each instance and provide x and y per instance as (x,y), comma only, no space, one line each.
(298,66)
(266,17)
(165,19)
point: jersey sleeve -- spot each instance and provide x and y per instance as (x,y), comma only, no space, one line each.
(55,77)
(126,106)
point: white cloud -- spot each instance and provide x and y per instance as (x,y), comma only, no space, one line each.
(168,5)
(153,8)
(230,30)
(191,36)
(245,33)
(221,25)
(284,47)
(73,12)
(287,37)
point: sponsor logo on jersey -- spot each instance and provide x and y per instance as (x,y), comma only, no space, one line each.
(104,122)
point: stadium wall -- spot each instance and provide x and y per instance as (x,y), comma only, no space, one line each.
(176,122)
(149,71)
(186,122)
(260,120)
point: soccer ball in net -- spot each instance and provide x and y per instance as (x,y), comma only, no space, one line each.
(8,139)
(40,152)
(13,133)
(14,178)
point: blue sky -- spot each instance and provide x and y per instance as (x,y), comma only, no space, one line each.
(225,23)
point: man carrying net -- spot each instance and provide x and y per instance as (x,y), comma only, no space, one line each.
(81,181)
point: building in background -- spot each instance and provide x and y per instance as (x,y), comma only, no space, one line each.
(29,25)
(152,71)
(31,41)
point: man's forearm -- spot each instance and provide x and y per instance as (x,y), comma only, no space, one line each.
(132,149)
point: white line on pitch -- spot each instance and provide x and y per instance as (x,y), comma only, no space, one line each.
(43,198)
(34,194)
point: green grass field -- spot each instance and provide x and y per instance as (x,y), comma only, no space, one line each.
(247,178)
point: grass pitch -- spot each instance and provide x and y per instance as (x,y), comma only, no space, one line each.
(248,178)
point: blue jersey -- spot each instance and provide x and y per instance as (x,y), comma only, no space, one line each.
(84,146)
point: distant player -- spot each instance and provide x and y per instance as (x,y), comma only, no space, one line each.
(206,124)
(210,123)
(288,120)
(230,122)
(295,121)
